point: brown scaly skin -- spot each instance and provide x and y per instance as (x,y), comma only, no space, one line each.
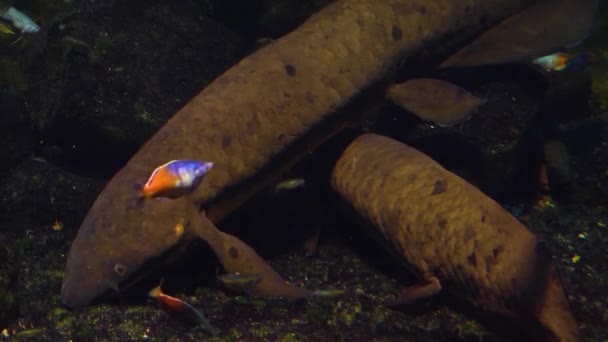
(441,226)
(258,118)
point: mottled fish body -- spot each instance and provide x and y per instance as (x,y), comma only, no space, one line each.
(256,121)
(451,235)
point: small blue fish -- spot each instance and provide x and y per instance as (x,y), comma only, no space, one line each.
(175,178)
(21,21)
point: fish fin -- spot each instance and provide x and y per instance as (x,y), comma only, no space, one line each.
(420,96)
(238,257)
(155,292)
(5,29)
(312,243)
(113,286)
(206,326)
(415,292)
(533,32)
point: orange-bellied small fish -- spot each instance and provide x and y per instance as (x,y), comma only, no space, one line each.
(175,178)
(183,310)
(562,61)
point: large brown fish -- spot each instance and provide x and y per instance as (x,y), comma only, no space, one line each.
(451,235)
(258,119)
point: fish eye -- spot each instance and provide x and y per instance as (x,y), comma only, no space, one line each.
(120,269)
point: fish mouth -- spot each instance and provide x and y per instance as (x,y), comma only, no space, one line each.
(79,289)
(74,297)
(82,286)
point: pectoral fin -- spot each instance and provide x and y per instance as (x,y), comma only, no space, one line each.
(532,33)
(311,243)
(415,292)
(237,257)
(434,100)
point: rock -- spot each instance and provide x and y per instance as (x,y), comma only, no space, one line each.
(16,132)
(128,68)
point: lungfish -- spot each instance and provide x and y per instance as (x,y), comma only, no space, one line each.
(253,122)
(451,235)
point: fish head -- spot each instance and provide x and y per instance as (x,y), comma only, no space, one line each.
(120,234)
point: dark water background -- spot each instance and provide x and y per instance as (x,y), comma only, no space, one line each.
(80,97)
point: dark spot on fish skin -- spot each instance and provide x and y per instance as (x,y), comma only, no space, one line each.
(497,251)
(252,125)
(472,259)
(469,233)
(138,184)
(442,223)
(281,137)
(135,203)
(397,33)
(290,70)
(438,187)
(489,263)
(467,9)
(422,9)
(233,252)
(483,218)
(310,99)
(226,141)
(286,94)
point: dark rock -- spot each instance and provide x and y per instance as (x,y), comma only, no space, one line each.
(128,68)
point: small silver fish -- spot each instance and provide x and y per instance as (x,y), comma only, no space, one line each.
(289,184)
(329,293)
(240,282)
